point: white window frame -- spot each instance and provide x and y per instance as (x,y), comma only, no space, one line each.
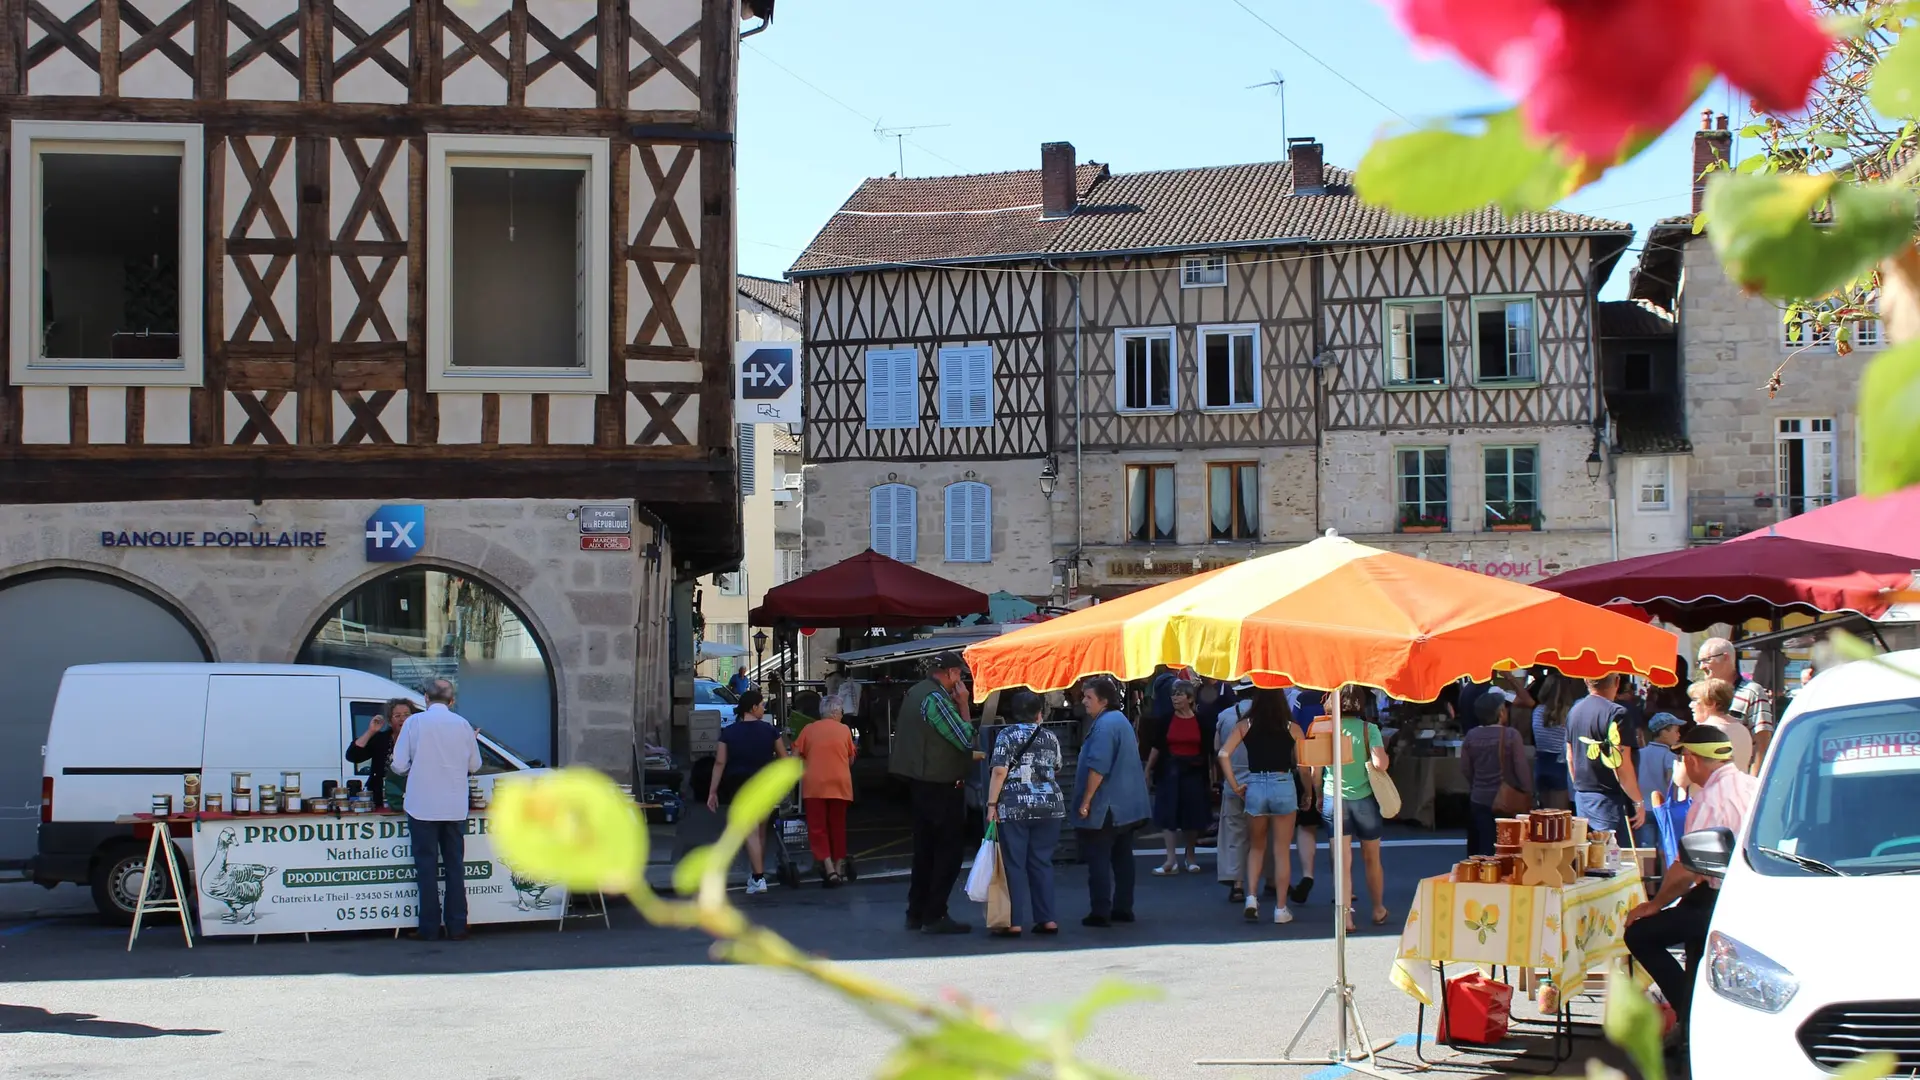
(901,411)
(26,287)
(1387,379)
(1809,430)
(588,156)
(1815,338)
(1532,378)
(1647,481)
(966,401)
(732,582)
(1231,330)
(791,565)
(912,526)
(1120,339)
(975,537)
(1203,272)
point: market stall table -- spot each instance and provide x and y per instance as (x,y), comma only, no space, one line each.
(308,873)
(1422,778)
(1563,931)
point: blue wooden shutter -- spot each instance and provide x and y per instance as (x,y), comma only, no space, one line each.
(880,519)
(953,388)
(957,523)
(748,462)
(979,523)
(879,390)
(980,386)
(906,531)
(906,388)
(891,524)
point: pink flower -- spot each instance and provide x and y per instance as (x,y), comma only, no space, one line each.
(1596,73)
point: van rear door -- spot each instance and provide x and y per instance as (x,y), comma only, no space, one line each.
(269,724)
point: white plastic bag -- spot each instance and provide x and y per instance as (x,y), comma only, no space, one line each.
(980,878)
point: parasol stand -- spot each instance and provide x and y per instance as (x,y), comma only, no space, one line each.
(1358,1057)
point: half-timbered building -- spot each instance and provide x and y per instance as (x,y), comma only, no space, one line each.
(1198,365)
(276,267)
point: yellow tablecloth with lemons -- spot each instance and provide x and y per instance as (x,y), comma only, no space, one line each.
(1565,931)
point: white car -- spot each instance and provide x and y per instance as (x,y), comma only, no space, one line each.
(714,696)
(1813,958)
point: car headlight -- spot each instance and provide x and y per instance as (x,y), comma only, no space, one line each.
(1746,976)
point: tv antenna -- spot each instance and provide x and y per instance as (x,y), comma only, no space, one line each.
(899,136)
(1279,84)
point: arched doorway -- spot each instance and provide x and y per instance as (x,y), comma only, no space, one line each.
(424,622)
(51,621)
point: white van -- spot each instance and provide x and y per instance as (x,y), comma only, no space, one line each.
(1812,957)
(122,733)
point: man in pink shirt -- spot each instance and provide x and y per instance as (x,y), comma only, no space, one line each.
(1723,800)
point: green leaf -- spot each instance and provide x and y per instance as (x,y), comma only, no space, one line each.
(1437,172)
(691,868)
(1634,1025)
(1847,646)
(1106,994)
(1890,420)
(1765,236)
(758,796)
(1871,1067)
(1896,79)
(1753,163)
(1831,139)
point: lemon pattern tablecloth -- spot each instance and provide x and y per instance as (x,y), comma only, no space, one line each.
(1566,931)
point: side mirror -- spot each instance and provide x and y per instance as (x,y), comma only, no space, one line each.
(1707,852)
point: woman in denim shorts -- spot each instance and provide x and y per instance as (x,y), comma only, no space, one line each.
(1364,822)
(1270,736)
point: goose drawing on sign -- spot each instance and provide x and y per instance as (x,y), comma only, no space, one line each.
(532,894)
(237,885)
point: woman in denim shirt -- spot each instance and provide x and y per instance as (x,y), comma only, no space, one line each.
(1110,803)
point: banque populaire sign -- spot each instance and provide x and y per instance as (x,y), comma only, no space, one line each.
(214,538)
(308,874)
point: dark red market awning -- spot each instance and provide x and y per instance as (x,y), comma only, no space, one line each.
(1755,578)
(867,590)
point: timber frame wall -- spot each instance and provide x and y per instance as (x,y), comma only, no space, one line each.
(315,379)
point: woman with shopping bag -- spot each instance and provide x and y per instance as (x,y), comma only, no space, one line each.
(1025,804)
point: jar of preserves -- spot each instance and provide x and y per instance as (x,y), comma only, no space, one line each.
(163,805)
(243,802)
(242,781)
(216,803)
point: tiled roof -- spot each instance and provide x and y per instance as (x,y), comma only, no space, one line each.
(964,218)
(1648,424)
(1635,319)
(782,440)
(781,296)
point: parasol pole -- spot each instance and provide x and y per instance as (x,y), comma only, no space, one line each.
(1359,1059)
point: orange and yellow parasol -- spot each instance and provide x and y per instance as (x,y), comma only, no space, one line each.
(1323,615)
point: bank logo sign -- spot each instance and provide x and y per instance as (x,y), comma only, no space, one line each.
(396,533)
(768,389)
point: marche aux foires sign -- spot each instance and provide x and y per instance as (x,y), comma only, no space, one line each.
(293,876)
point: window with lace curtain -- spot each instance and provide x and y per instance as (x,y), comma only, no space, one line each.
(1150,507)
(1233,500)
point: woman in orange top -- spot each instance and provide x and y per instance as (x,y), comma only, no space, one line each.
(827,789)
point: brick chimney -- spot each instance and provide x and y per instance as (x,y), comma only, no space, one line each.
(1059,184)
(1712,143)
(1308,160)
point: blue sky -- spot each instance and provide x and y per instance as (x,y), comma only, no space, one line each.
(1138,84)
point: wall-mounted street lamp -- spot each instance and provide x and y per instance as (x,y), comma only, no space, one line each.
(1049,477)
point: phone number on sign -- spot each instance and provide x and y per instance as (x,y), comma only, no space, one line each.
(349,914)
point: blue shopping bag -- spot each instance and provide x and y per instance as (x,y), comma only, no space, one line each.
(1672,819)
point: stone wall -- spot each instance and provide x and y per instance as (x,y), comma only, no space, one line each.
(1731,343)
(259,606)
(837,522)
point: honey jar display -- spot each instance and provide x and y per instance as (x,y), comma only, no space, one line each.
(163,805)
(216,803)
(190,804)
(191,784)
(1510,832)
(243,802)
(1489,871)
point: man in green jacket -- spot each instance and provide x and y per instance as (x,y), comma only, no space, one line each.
(933,752)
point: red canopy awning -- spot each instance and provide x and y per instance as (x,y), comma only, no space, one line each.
(867,590)
(1697,587)
(1890,524)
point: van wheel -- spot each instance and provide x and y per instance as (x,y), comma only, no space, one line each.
(118,875)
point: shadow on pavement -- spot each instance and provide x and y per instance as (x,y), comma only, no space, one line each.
(17,1019)
(863,921)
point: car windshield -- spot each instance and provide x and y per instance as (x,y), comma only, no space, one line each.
(1844,789)
(707,693)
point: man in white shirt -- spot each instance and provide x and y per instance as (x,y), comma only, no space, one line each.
(437,751)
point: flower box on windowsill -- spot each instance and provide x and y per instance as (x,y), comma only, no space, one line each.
(1518,526)
(1423,528)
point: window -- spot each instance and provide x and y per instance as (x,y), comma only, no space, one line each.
(747,462)
(1503,338)
(1513,486)
(893,521)
(1803,449)
(1150,506)
(106,273)
(1230,375)
(893,389)
(1653,477)
(1233,501)
(722,634)
(1199,271)
(1416,342)
(966,386)
(1422,475)
(732,584)
(1805,331)
(1146,370)
(517,278)
(969,522)
(790,564)
(1636,372)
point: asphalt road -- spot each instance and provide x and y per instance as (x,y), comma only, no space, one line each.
(637,1001)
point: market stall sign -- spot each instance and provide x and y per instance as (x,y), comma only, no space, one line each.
(209,538)
(606,519)
(606,543)
(1172,568)
(311,874)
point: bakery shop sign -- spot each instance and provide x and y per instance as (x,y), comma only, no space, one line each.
(226,539)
